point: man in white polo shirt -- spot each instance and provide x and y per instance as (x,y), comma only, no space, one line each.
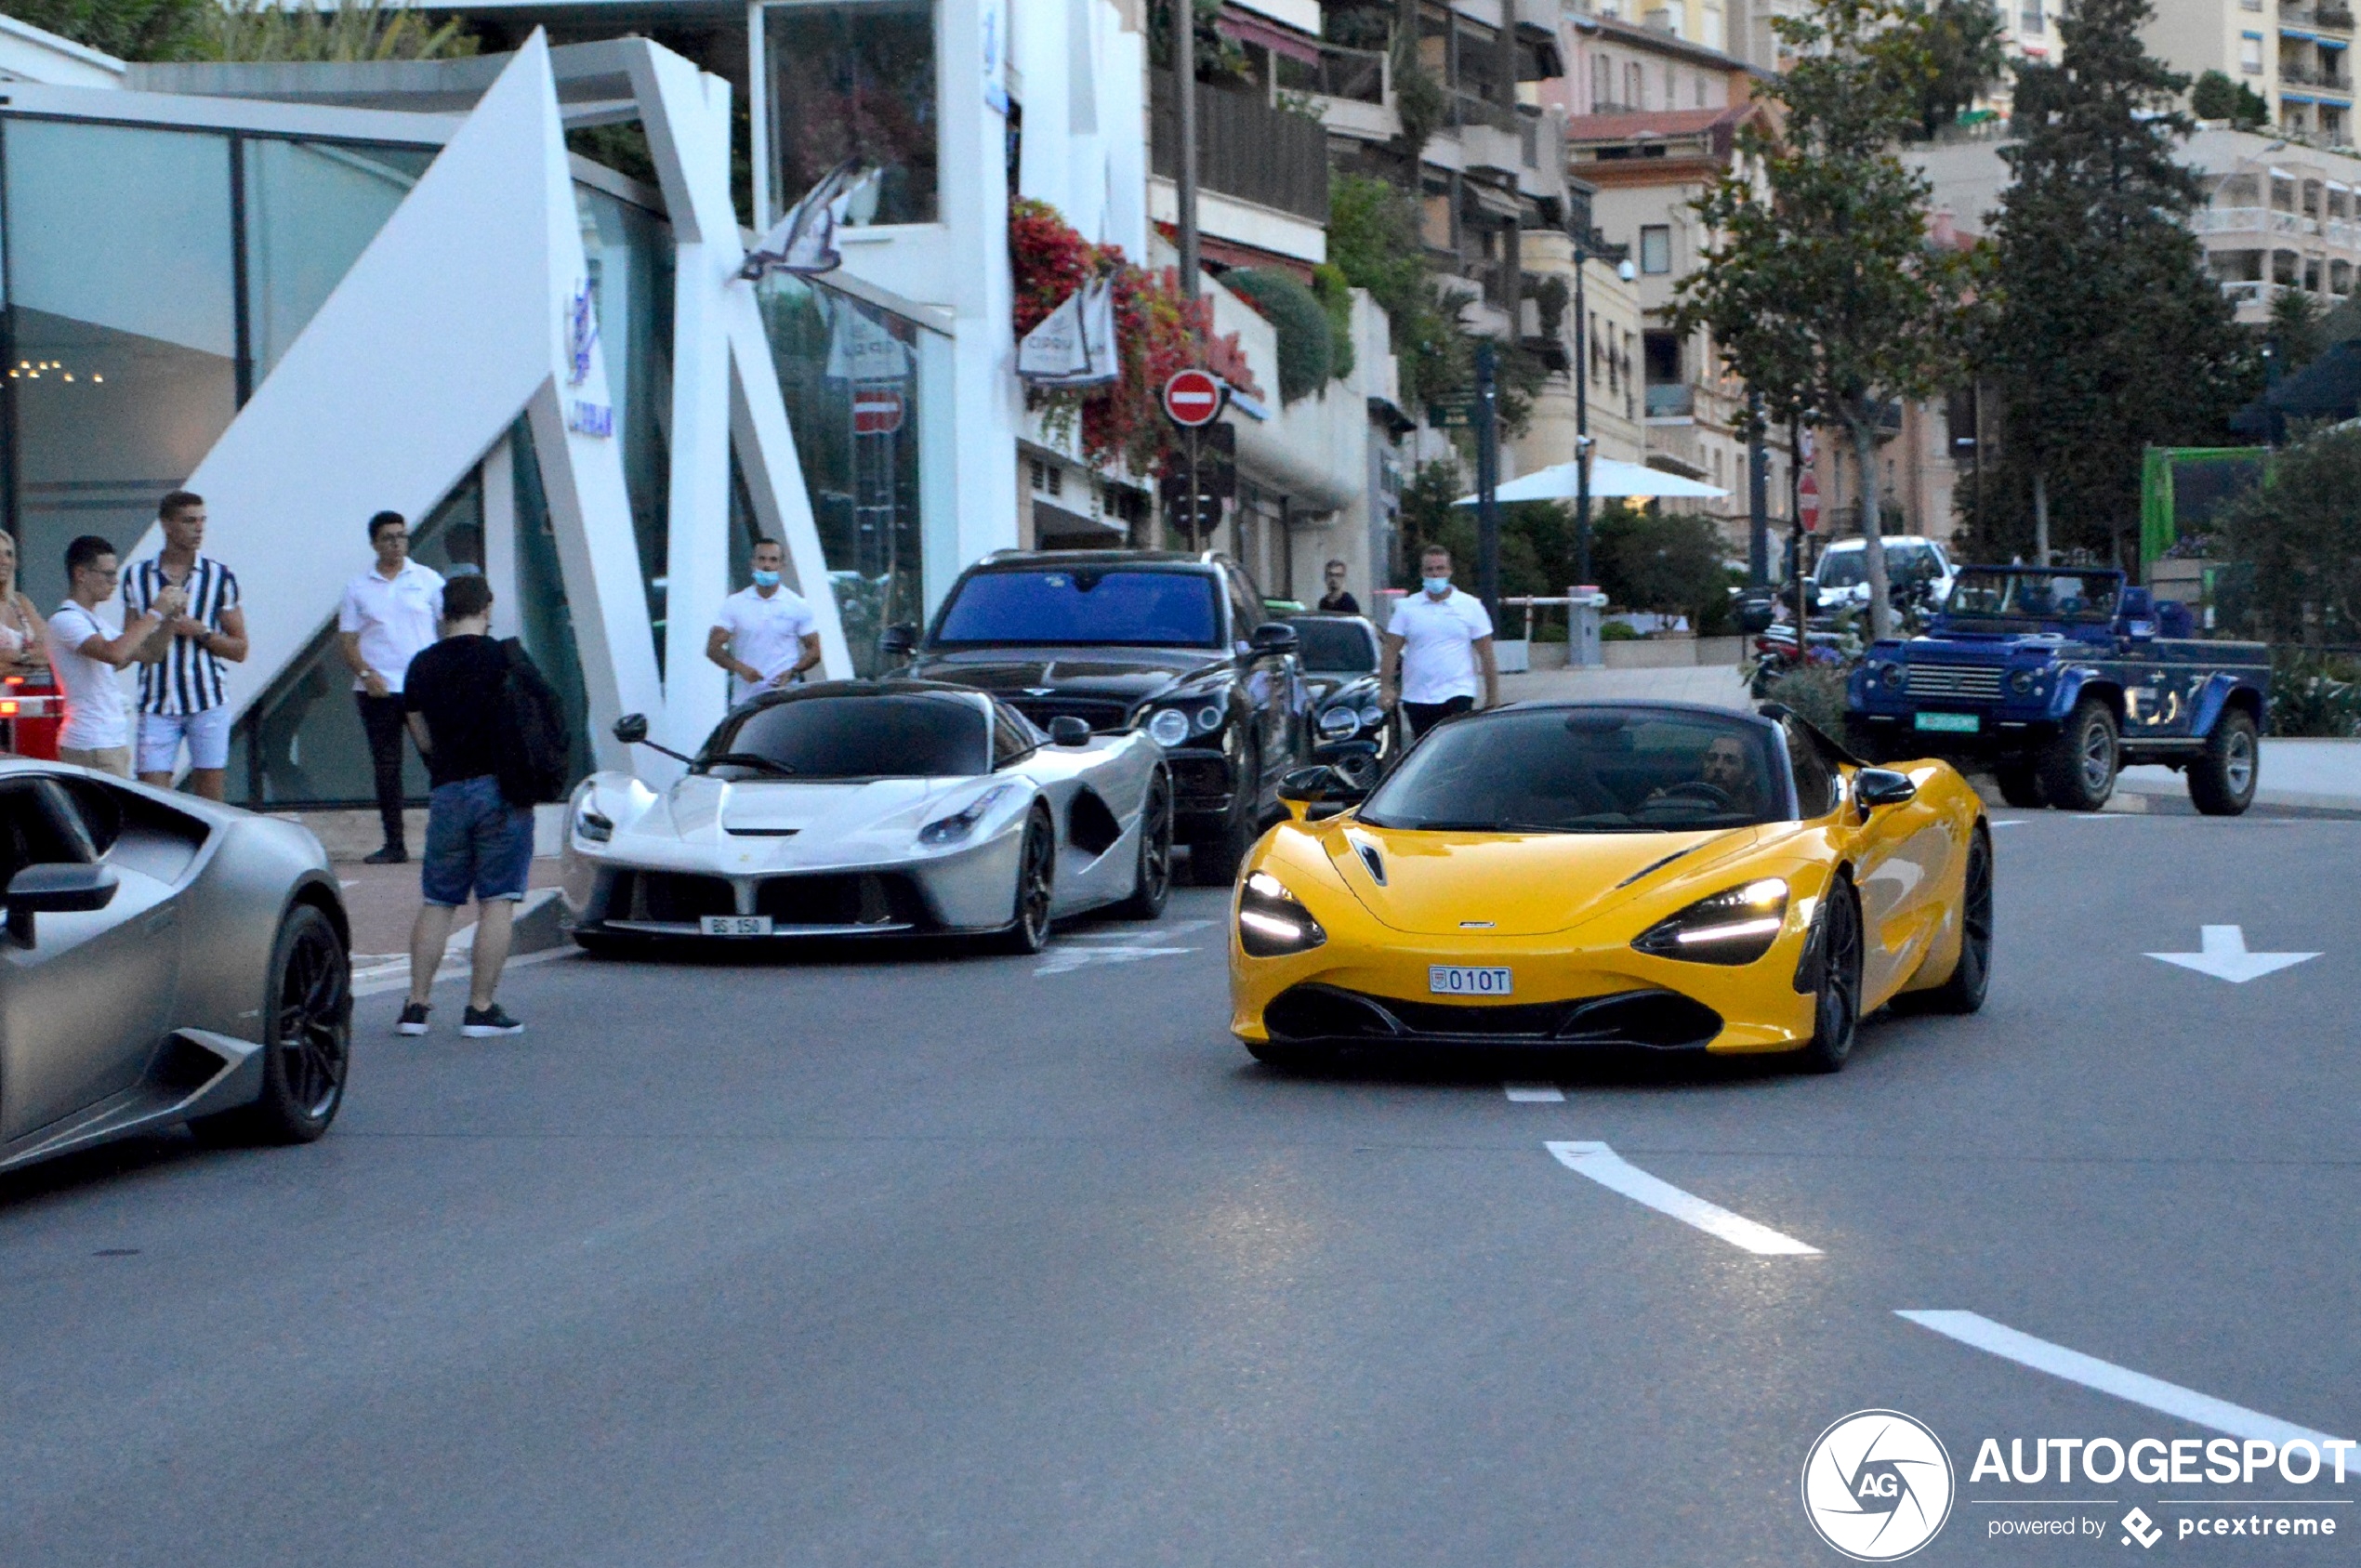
(1437,640)
(390,613)
(765,635)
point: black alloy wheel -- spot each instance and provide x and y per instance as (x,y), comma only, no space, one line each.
(2078,767)
(1152,884)
(2221,782)
(1836,1006)
(2021,785)
(1963,993)
(307,1037)
(1037,870)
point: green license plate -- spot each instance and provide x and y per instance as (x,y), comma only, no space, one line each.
(1949,723)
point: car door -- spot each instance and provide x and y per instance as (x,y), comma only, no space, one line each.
(1268,679)
(83,1007)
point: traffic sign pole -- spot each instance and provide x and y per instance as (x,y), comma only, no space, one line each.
(1488,482)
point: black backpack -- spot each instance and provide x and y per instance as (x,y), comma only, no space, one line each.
(535,755)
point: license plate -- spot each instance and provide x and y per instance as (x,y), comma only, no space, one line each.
(734,925)
(1466,979)
(1949,723)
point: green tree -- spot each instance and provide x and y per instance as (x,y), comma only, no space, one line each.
(2104,332)
(1374,240)
(1822,291)
(1298,320)
(2301,534)
(146,29)
(2297,330)
(2215,97)
(358,30)
(1669,563)
(1957,57)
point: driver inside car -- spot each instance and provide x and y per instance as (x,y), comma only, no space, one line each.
(1724,765)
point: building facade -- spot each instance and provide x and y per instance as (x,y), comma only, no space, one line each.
(2296,56)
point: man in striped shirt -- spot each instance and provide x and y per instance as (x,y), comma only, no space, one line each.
(181,692)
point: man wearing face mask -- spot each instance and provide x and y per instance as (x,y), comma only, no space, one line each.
(766,635)
(1437,640)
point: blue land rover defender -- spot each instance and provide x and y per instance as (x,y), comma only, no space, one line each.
(2055,678)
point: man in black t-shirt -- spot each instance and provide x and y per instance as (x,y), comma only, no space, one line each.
(1335,602)
(477,843)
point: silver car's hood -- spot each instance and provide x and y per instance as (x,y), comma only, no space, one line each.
(754,825)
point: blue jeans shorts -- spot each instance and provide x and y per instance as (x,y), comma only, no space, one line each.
(476,843)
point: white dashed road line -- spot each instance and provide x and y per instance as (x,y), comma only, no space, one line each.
(1610,1170)
(1536,1094)
(2198,1409)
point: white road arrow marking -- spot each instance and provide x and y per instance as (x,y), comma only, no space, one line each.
(2224,957)
(1610,1170)
(1065,960)
(2200,1410)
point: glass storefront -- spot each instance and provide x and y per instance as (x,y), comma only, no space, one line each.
(855,77)
(311,208)
(629,250)
(855,378)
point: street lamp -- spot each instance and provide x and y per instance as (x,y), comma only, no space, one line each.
(1587,245)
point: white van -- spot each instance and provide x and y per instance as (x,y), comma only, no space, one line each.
(1841,579)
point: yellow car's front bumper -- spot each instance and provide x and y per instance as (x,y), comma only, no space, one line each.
(1354,991)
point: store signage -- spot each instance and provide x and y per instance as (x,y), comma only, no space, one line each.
(877,411)
(582,332)
(1192,398)
(590,418)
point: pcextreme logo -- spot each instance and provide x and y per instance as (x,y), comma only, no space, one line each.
(1878,1485)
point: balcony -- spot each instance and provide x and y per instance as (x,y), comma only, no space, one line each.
(2329,17)
(1249,150)
(2252,220)
(1672,400)
(2299,76)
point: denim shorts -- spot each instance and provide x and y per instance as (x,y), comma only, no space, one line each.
(476,843)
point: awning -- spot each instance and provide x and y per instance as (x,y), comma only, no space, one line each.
(1608,478)
(1248,28)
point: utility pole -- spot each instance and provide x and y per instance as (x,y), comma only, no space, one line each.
(1184,167)
(1487,420)
(1581,413)
(1758,496)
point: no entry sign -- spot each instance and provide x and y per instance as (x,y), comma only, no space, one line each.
(1192,398)
(1807,501)
(877,411)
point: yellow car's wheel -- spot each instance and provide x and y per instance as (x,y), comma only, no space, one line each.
(1835,1008)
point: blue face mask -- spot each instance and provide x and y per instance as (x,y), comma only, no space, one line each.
(766,579)
(1438,586)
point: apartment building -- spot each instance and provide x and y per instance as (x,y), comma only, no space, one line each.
(2296,56)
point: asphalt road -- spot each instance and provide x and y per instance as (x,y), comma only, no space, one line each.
(864,1261)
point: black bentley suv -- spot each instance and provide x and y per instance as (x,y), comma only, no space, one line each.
(1177,645)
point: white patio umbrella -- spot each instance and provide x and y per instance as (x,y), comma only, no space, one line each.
(1608,479)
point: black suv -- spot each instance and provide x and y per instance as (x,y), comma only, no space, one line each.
(1177,645)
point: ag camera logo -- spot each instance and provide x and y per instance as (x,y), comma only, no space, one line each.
(1878,1485)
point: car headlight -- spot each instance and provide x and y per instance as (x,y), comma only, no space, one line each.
(1340,722)
(1208,718)
(952,828)
(1735,927)
(2021,681)
(1372,715)
(591,825)
(1890,677)
(1168,727)
(1271,923)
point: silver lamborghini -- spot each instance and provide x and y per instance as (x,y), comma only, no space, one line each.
(898,807)
(165,960)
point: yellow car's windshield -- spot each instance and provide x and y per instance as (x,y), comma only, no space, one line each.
(1587,769)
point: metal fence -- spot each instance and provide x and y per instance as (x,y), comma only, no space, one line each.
(1249,148)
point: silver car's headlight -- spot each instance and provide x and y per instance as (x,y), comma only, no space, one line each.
(1338,722)
(956,827)
(1168,727)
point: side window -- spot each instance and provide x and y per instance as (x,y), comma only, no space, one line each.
(1816,774)
(1012,739)
(39,826)
(1246,605)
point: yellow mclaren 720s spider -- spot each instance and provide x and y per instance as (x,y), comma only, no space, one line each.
(1611,874)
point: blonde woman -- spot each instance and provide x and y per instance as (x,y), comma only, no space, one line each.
(23,634)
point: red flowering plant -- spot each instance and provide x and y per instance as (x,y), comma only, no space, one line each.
(1158,332)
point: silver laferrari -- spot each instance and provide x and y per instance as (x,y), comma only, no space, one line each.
(898,807)
(165,960)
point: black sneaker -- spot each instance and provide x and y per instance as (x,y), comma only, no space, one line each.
(392,854)
(481,1023)
(414,1019)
